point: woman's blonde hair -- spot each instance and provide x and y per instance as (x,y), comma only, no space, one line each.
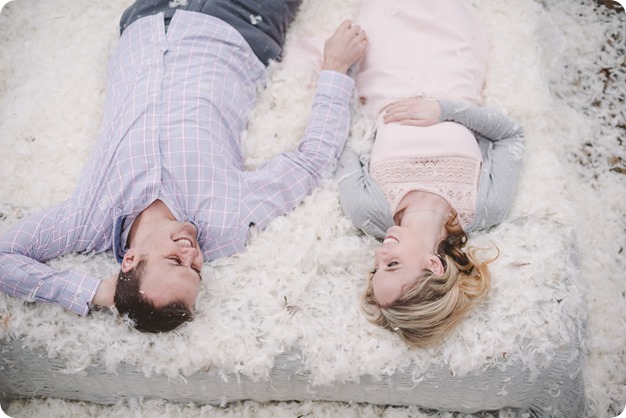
(424,314)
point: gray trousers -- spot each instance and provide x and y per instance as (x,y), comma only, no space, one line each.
(262,23)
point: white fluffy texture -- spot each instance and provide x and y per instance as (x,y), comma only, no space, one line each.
(593,120)
(52,77)
(156,409)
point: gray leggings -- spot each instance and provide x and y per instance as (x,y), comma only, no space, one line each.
(262,23)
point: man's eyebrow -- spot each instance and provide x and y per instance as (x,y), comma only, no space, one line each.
(180,265)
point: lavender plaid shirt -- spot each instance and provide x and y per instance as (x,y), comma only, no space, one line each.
(175,109)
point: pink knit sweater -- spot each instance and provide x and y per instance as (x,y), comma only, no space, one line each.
(430,48)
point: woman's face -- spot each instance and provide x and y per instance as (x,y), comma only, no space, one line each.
(398,264)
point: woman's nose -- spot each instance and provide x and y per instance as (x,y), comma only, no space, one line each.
(380,254)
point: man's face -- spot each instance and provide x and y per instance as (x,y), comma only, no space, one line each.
(173,263)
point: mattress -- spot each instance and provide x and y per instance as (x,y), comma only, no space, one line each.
(281,321)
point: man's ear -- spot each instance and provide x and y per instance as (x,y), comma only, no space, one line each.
(436,265)
(130,260)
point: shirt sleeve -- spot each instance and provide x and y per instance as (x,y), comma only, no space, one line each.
(284,181)
(501,140)
(27,245)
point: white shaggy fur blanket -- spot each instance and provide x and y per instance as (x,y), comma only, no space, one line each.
(543,66)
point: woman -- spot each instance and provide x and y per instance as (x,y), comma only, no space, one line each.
(441,165)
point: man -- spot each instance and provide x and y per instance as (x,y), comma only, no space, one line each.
(165,187)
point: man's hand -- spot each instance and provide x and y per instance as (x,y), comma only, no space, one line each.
(105,292)
(413,111)
(344,48)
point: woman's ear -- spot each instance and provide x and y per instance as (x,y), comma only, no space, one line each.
(130,260)
(436,265)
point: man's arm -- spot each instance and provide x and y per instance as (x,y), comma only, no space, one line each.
(31,242)
(283,182)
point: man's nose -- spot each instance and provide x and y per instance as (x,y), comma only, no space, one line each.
(188,254)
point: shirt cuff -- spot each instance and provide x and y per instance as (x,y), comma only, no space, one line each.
(336,85)
(79,293)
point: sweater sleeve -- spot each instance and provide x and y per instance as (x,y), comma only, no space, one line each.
(484,121)
(501,140)
(361,199)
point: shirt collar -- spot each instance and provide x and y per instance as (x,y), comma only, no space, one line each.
(119,238)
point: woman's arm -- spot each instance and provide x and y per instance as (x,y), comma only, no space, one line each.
(483,121)
(361,199)
(486,122)
(501,140)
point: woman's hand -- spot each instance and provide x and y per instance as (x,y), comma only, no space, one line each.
(413,111)
(344,48)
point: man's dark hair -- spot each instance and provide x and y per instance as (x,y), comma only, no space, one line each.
(143,313)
